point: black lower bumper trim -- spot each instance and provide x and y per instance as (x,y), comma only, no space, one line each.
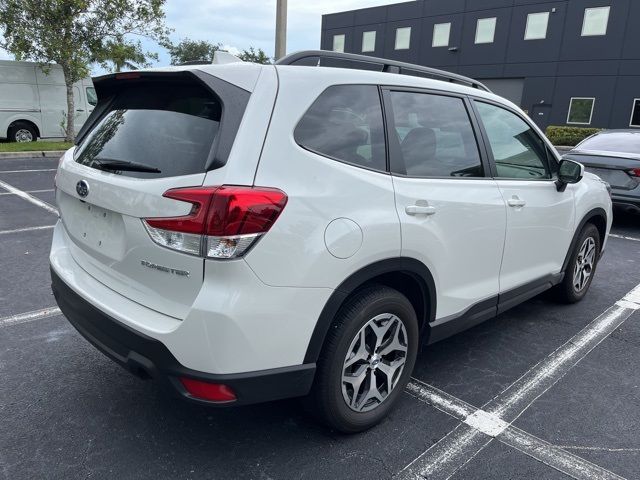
(147,357)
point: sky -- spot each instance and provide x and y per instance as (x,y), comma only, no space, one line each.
(239,24)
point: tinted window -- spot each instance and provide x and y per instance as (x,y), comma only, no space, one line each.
(435,135)
(345,123)
(518,151)
(621,142)
(168,126)
(92,98)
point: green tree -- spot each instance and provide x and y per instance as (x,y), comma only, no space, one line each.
(255,56)
(72,33)
(187,50)
(119,54)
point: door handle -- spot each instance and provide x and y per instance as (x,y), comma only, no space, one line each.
(420,210)
(516,202)
(79,110)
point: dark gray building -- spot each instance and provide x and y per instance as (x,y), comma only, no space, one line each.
(565,62)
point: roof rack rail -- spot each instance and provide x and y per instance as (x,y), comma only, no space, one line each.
(326,58)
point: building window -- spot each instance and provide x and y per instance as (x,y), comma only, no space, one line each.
(486,30)
(537,24)
(369,41)
(595,21)
(403,38)
(635,114)
(441,34)
(581,111)
(338,43)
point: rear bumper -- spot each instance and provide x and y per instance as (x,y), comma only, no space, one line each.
(148,357)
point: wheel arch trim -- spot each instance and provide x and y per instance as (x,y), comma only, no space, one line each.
(590,215)
(404,265)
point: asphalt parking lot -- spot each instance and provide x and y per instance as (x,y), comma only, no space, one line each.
(544,391)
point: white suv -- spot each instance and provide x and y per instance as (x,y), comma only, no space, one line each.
(246,233)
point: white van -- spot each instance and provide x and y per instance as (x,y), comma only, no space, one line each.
(34,104)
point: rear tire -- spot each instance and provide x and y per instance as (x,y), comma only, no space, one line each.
(582,266)
(373,343)
(22,132)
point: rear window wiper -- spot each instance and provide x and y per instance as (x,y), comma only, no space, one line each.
(122,165)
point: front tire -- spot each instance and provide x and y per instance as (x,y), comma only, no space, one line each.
(367,359)
(582,266)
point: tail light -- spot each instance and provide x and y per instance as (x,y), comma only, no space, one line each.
(634,172)
(224,222)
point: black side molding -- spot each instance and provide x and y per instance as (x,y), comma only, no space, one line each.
(480,312)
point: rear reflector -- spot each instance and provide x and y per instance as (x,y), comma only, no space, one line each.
(224,222)
(212,392)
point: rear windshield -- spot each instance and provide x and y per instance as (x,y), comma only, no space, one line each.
(619,142)
(167,126)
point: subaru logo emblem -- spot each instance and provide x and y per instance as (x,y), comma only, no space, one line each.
(82,188)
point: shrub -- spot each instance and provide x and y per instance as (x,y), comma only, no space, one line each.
(569,136)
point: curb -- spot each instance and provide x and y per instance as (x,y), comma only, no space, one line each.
(34,154)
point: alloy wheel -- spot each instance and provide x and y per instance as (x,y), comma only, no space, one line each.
(374,362)
(585,264)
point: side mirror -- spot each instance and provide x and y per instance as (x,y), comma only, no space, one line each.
(569,172)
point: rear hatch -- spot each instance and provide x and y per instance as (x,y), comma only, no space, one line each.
(150,132)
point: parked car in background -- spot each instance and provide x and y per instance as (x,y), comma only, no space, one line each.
(614,155)
(33,103)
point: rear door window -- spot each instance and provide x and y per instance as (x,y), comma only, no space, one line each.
(435,136)
(167,126)
(345,123)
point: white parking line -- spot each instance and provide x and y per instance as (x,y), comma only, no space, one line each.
(29,191)
(28,197)
(622,237)
(29,316)
(26,229)
(29,171)
(483,422)
(453,451)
